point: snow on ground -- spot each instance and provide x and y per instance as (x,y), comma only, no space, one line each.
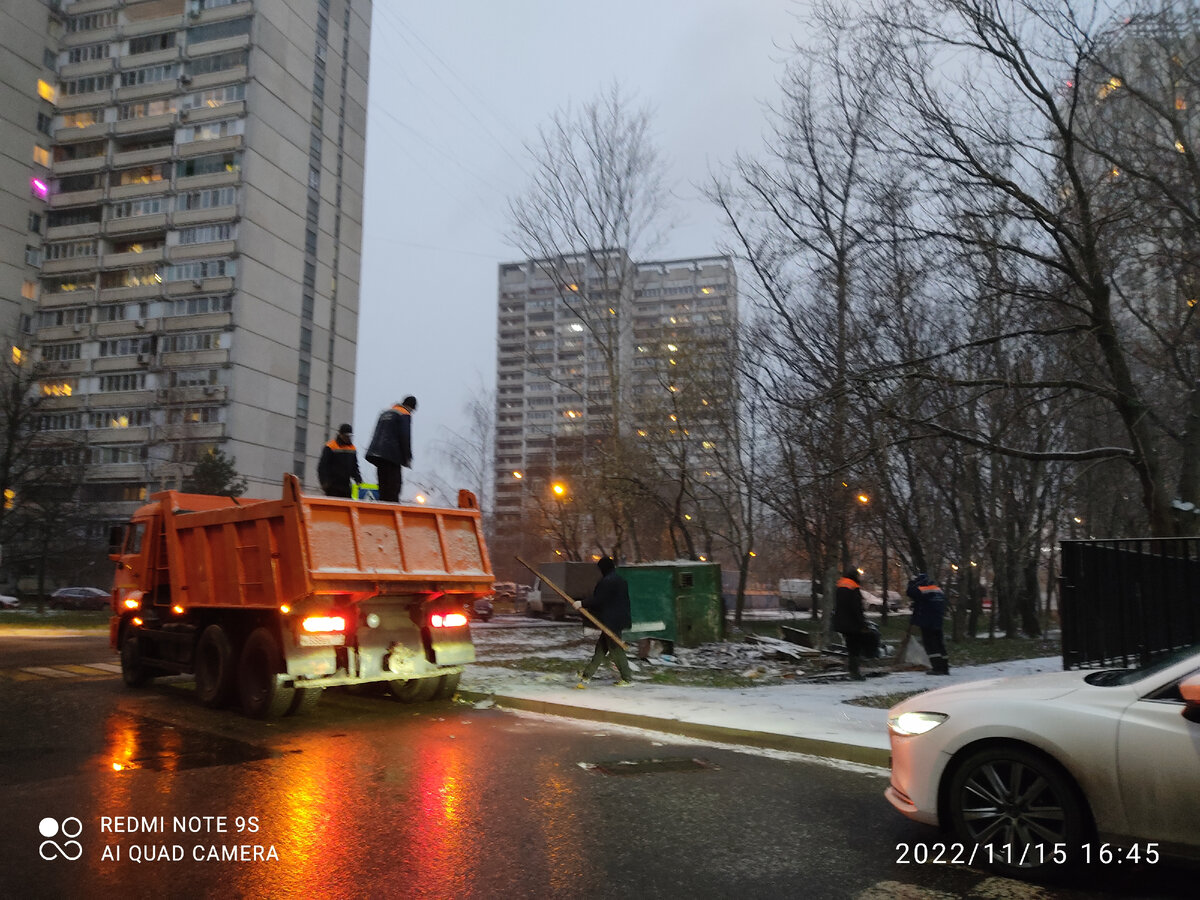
(803,709)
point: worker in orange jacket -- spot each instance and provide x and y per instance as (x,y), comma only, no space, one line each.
(337,470)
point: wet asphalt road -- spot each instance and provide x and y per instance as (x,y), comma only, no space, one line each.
(369,798)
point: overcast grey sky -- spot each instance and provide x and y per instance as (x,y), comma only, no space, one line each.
(456,89)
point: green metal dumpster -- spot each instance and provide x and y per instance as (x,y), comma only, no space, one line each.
(677,601)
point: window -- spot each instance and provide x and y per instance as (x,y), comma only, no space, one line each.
(70,249)
(61,387)
(125,346)
(210,131)
(205,234)
(226,196)
(82,215)
(200,340)
(148,75)
(200,268)
(124,381)
(215,97)
(71,315)
(143,206)
(218,30)
(68,285)
(139,175)
(92,21)
(148,43)
(82,118)
(88,85)
(58,352)
(35,223)
(45,123)
(218,63)
(41,156)
(196,306)
(63,421)
(208,165)
(117,455)
(71,183)
(145,108)
(118,418)
(193,377)
(29,290)
(199,415)
(137,276)
(88,52)
(33,255)
(144,245)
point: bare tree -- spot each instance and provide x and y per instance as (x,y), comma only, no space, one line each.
(596,201)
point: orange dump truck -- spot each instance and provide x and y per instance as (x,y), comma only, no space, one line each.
(271,601)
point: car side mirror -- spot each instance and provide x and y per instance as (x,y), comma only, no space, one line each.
(1190,689)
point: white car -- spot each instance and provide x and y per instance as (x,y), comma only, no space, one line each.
(1030,773)
(9,602)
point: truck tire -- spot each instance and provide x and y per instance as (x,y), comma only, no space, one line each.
(216,668)
(415,690)
(133,670)
(304,701)
(263,697)
(447,685)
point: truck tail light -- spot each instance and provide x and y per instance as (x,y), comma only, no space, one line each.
(447,620)
(323,624)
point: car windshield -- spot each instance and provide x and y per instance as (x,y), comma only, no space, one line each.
(1129,676)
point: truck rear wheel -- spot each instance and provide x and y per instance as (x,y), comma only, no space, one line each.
(133,670)
(263,697)
(415,690)
(216,667)
(447,685)
(304,701)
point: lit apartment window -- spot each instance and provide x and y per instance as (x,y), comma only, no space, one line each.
(201,415)
(29,290)
(136,276)
(145,108)
(68,285)
(119,418)
(46,91)
(144,245)
(41,156)
(139,175)
(61,387)
(82,118)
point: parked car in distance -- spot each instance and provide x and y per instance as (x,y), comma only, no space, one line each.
(79,598)
(9,602)
(1043,771)
(481,609)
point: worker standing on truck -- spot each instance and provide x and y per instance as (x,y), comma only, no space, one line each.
(391,447)
(337,470)
(609,603)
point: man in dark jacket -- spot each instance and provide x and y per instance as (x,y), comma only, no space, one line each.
(848,618)
(929,606)
(609,603)
(337,469)
(390,450)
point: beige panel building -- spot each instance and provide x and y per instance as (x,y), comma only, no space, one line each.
(567,328)
(193,279)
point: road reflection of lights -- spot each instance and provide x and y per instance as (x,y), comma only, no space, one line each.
(563,833)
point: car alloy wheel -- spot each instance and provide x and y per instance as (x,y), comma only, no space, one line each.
(1022,805)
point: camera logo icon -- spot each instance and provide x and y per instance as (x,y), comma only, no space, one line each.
(70,828)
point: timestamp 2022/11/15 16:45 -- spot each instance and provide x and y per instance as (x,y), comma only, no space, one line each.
(1040,854)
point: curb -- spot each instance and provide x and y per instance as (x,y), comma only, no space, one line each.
(869,756)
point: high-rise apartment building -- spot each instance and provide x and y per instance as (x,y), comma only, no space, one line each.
(568,328)
(182,214)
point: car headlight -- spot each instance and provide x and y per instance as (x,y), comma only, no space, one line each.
(911,723)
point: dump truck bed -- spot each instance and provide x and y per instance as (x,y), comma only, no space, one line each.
(233,552)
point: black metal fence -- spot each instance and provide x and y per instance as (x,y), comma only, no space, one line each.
(1124,602)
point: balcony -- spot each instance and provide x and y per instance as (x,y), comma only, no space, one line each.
(145,124)
(219,285)
(138,189)
(77,198)
(147,156)
(124,260)
(156,222)
(182,252)
(182,217)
